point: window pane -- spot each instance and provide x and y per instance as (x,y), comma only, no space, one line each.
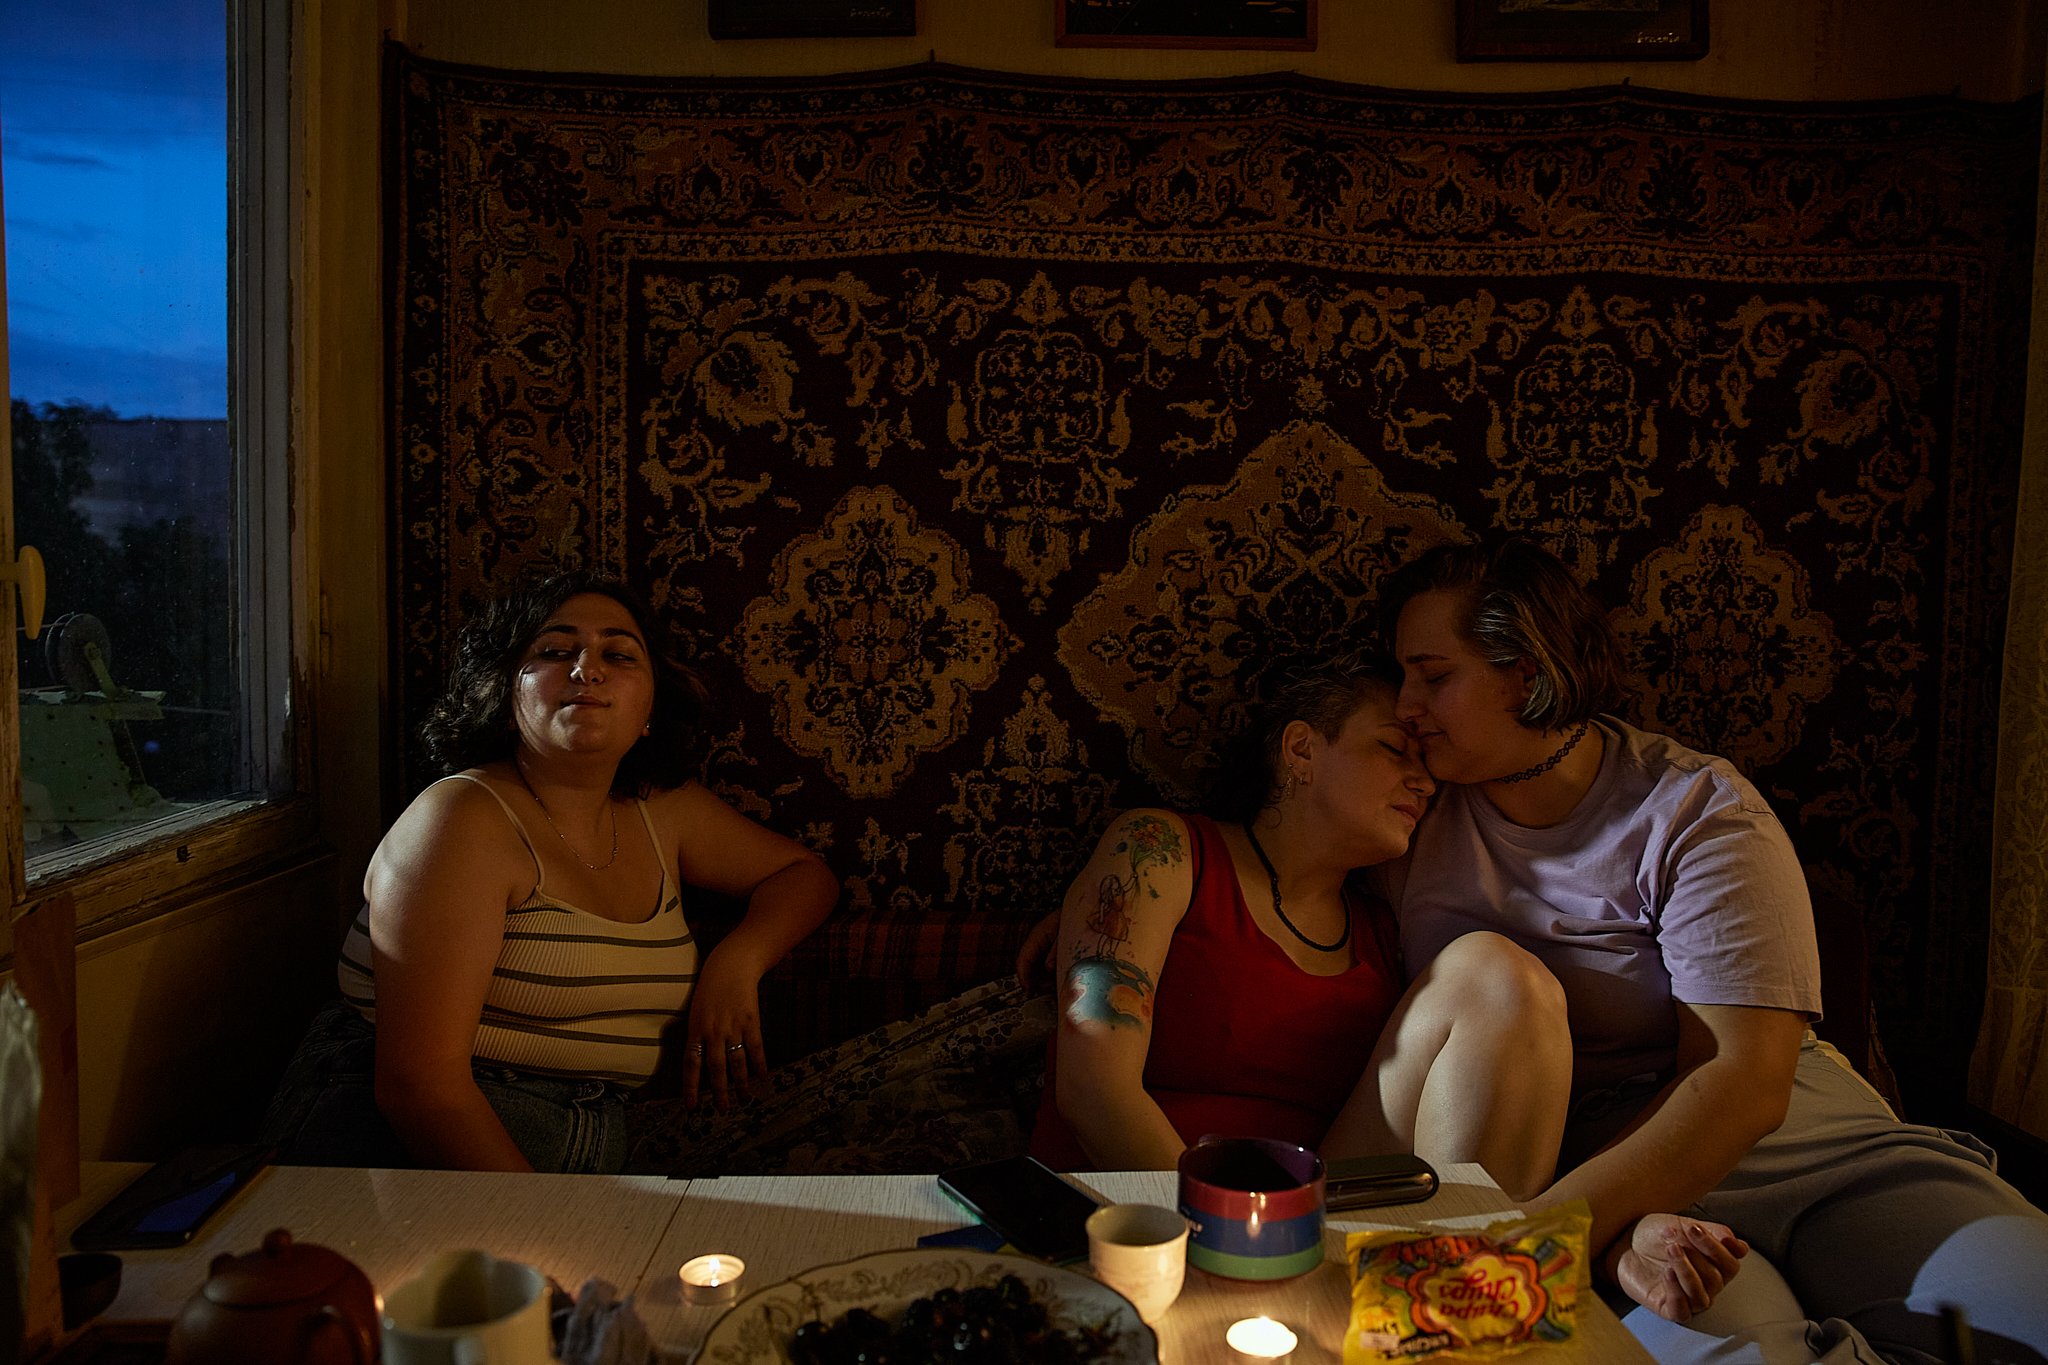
(113,131)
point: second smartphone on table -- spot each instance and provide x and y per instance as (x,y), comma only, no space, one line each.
(1036,1212)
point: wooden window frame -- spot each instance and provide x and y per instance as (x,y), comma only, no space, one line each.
(161,866)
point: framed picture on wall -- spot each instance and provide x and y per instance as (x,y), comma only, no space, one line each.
(813,18)
(1185,23)
(1581,30)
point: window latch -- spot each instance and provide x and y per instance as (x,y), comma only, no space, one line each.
(27,575)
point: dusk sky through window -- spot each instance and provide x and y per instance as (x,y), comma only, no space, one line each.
(113,163)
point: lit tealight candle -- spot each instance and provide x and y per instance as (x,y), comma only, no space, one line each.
(1260,1339)
(712,1279)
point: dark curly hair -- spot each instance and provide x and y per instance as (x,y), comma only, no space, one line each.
(1323,693)
(471,723)
(1522,602)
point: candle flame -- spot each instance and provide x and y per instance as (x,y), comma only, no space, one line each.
(709,1272)
(1260,1338)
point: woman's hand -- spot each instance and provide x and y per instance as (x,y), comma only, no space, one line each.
(1034,955)
(1675,1266)
(788,890)
(1732,1087)
(724,1035)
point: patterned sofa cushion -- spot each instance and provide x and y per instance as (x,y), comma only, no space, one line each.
(958,1083)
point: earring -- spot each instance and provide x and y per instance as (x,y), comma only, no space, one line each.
(1288,787)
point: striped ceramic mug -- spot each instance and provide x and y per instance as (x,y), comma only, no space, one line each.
(1255,1207)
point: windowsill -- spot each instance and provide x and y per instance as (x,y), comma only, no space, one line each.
(172,862)
(183,822)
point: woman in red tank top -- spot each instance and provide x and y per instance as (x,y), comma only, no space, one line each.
(1229,976)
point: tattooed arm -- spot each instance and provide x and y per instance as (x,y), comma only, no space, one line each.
(1115,927)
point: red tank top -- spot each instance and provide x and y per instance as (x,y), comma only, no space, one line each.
(1245,1043)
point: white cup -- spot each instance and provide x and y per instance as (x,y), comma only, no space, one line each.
(1140,1251)
(469,1308)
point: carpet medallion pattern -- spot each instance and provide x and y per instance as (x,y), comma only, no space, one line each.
(988,438)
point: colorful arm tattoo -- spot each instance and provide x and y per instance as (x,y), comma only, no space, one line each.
(1110,991)
(1102,986)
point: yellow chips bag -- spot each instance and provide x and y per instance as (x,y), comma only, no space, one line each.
(1484,1293)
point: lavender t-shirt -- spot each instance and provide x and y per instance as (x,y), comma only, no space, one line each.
(1670,880)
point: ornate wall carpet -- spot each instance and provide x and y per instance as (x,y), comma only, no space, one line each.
(987,437)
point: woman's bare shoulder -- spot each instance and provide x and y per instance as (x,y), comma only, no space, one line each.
(466,801)
(1144,847)
(684,795)
(453,826)
(1130,899)
(693,809)
(1148,835)
(681,812)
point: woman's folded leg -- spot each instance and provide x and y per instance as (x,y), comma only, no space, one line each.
(1474,1065)
(1878,1224)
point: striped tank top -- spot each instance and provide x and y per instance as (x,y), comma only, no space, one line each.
(573,994)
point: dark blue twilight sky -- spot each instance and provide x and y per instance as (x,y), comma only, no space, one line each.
(113,168)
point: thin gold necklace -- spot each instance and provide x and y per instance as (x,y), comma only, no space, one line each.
(520,768)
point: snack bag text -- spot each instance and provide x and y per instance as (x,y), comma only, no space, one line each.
(1481,1293)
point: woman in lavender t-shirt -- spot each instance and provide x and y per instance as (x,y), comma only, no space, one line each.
(1666,898)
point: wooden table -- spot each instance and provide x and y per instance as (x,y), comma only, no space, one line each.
(635,1230)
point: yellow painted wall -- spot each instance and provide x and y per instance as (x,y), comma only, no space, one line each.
(1763,49)
(185,1023)
(338,389)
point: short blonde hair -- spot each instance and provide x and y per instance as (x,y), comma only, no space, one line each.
(1521,602)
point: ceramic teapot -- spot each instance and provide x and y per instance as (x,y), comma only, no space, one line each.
(287,1303)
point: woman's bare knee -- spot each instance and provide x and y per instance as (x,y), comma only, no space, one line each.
(1489,975)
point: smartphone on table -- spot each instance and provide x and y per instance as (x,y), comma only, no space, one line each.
(171,1201)
(1369,1181)
(1036,1212)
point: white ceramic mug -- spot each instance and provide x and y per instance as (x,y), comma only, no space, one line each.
(1140,1251)
(469,1308)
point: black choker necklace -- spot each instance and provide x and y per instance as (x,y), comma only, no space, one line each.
(1274,878)
(1547,764)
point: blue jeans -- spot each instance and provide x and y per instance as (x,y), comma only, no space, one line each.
(325,1111)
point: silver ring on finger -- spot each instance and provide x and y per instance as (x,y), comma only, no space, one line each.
(735,1047)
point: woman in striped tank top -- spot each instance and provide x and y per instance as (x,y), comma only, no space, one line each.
(522,943)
